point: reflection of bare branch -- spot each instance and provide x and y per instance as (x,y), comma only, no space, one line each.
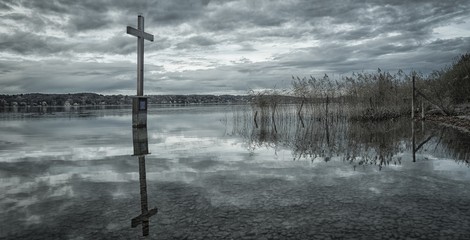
(321,137)
(301,121)
(318,138)
(424,142)
(440,139)
(440,106)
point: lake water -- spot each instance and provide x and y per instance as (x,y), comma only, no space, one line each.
(213,174)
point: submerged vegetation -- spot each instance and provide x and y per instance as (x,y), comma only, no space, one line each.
(359,117)
(359,143)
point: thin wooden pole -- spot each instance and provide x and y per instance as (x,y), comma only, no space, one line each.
(413,136)
(413,100)
(143,196)
(413,139)
(422,110)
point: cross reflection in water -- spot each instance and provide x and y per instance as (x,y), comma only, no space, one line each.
(140,142)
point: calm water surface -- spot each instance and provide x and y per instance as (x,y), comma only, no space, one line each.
(214,175)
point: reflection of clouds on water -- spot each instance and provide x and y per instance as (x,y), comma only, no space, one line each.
(343,173)
(64,139)
(84,172)
(375,190)
(68,153)
(108,176)
(33,192)
(451,170)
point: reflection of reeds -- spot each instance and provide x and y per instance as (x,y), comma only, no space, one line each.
(327,134)
(357,120)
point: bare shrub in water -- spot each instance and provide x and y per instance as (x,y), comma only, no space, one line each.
(378,96)
(366,96)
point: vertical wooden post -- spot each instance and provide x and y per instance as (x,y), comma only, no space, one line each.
(413,100)
(422,125)
(422,110)
(413,139)
(326,123)
(140,58)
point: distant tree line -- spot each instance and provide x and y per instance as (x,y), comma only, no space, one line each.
(87,99)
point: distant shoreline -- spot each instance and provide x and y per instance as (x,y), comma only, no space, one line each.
(93,99)
(121,105)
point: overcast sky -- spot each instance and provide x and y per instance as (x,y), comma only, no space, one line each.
(218,46)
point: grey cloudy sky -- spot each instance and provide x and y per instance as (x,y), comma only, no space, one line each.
(220,46)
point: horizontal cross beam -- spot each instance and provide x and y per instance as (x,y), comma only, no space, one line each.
(139,33)
(143,217)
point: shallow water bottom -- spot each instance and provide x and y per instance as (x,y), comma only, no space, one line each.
(324,201)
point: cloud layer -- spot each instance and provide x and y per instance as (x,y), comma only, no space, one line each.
(220,46)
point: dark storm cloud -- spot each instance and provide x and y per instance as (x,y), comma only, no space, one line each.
(196,41)
(4,6)
(247,47)
(78,16)
(117,44)
(341,59)
(176,11)
(369,19)
(69,77)
(229,19)
(46,6)
(89,20)
(245,44)
(88,14)
(15,16)
(27,43)
(414,19)
(453,45)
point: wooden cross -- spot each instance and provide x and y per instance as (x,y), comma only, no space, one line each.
(141,112)
(141,35)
